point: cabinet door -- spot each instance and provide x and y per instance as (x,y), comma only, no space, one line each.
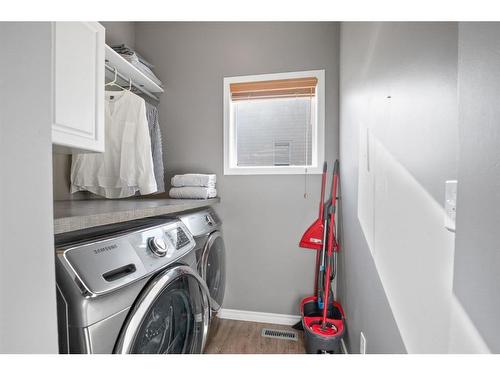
(78,86)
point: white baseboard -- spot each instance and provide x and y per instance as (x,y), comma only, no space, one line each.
(259,317)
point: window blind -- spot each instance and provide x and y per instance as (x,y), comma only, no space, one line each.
(280,88)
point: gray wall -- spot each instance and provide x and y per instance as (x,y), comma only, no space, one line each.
(477,260)
(398,82)
(120,32)
(27,276)
(61,168)
(264,216)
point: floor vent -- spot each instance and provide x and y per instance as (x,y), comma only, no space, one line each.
(279,334)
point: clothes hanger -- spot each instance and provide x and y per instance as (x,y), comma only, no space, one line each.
(113,82)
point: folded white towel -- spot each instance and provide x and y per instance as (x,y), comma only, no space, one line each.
(193,179)
(192,192)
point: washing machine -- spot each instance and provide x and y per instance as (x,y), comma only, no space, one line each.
(206,228)
(131,288)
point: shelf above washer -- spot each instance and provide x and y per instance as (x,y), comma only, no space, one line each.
(126,69)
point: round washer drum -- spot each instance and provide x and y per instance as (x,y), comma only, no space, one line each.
(169,317)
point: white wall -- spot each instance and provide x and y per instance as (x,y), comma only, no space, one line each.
(27,276)
(263,216)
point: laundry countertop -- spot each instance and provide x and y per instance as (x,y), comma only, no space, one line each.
(81,214)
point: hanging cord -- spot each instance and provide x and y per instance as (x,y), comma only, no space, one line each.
(309,125)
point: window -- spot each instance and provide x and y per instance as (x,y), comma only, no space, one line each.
(274,123)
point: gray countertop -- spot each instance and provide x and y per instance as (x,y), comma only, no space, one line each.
(82,214)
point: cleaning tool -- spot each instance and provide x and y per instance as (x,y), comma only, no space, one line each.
(323,317)
(313,236)
(332,246)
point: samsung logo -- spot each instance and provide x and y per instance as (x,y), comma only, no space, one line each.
(105,248)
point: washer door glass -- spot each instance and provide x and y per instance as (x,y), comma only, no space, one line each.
(174,322)
(215,269)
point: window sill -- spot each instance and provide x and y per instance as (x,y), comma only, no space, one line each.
(271,170)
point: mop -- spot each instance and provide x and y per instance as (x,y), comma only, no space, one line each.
(322,317)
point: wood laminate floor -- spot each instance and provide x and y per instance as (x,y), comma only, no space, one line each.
(239,337)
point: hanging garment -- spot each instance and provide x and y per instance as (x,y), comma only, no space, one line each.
(126,166)
(156,146)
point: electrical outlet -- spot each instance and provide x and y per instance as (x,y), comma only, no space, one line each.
(362,343)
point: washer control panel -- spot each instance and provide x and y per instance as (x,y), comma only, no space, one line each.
(104,264)
(201,222)
(178,237)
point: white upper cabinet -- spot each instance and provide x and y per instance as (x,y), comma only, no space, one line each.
(78,123)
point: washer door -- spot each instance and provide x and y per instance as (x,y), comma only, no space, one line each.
(213,269)
(171,315)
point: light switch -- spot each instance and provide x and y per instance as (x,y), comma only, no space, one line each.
(450,205)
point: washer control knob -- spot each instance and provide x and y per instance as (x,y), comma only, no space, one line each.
(158,246)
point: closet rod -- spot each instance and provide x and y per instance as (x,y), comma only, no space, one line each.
(141,89)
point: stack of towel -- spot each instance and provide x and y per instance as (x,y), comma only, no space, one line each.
(193,186)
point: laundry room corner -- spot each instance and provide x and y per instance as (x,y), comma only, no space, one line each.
(261,213)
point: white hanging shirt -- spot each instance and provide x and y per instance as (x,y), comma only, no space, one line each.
(126,166)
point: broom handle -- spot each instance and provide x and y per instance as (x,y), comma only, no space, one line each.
(327,290)
(322,199)
(331,241)
(322,256)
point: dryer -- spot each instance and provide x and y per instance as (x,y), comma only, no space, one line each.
(206,228)
(131,288)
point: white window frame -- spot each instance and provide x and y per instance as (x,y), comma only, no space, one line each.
(318,131)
